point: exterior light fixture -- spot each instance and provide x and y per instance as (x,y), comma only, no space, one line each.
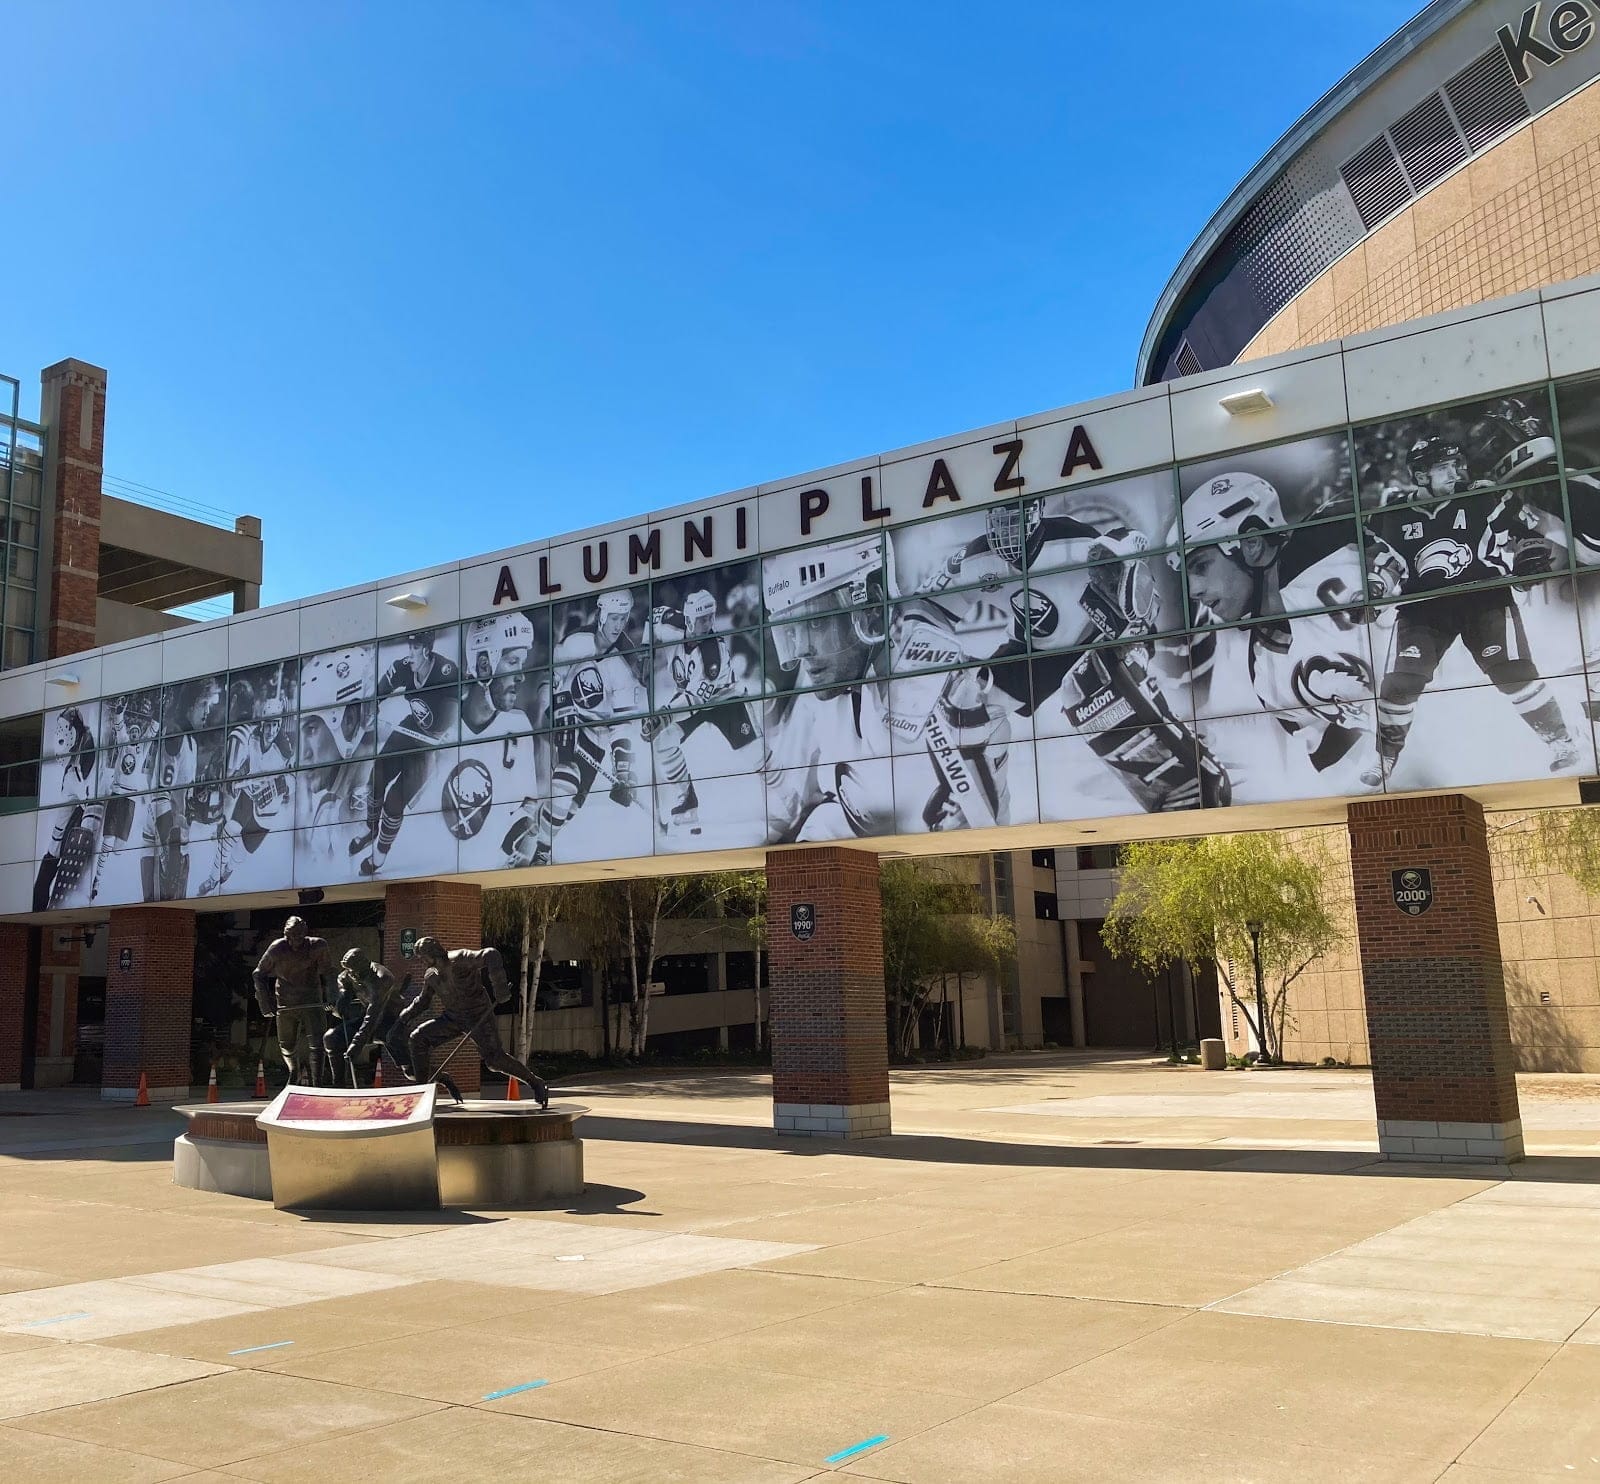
(1243,404)
(409,602)
(69,678)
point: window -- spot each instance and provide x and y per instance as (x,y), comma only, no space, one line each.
(1044,860)
(1099,857)
(1045,907)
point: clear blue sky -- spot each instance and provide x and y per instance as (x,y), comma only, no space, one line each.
(418,281)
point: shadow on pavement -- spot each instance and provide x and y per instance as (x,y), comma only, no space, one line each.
(952,1149)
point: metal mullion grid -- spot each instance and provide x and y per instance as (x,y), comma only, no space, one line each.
(10,525)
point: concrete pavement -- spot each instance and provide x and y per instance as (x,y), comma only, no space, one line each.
(1058,1268)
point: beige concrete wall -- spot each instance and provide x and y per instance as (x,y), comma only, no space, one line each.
(1550,944)
(1522,215)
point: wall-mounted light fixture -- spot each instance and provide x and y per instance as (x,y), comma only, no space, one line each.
(1243,404)
(67,677)
(407,602)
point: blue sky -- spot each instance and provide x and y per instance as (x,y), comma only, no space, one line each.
(418,281)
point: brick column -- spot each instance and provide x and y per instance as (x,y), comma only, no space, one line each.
(452,912)
(13,990)
(1435,988)
(73,407)
(149,1004)
(830,1043)
(56,1035)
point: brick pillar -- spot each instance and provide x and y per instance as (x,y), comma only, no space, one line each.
(830,1044)
(13,991)
(452,912)
(73,407)
(1435,988)
(56,1035)
(149,1003)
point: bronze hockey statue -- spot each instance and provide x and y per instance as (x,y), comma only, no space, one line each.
(454,982)
(290,983)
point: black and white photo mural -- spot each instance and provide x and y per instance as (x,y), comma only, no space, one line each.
(1003,639)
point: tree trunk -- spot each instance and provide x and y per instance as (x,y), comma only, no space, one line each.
(532,954)
(641,1021)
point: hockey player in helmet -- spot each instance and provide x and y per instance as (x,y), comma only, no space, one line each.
(1310,673)
(595,690)
(255,787)
(333,750)
(503,692)
(1442,539)
(429,684)
(705,689)
(828,736)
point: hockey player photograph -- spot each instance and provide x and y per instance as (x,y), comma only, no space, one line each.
(419,700)
(1084,525)
(505,684)
(1578,407)
(1283,694)
(1437,516)
(68,835)
(829,774)
(600,801)
(705,731)
(254,798)
(337,732)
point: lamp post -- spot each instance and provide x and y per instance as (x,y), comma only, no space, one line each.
(1254,929)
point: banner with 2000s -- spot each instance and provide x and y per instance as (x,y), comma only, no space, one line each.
(1403,605)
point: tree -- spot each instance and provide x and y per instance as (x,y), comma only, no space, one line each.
(1564,840)
(702,904)
(934,924)
(1194,899)
(526,915)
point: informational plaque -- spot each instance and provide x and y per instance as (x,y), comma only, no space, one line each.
(334,1148)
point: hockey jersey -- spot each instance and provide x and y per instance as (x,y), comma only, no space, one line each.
(431,693)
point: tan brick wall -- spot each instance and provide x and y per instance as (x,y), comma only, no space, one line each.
(1523,215)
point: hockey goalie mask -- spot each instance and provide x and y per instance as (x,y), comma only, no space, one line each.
(1015,536)
(817,601)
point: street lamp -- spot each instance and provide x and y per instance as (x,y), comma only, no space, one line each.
(1254,929)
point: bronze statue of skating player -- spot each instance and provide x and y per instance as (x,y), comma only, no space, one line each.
(290,984)
(454,980)
(390,1012)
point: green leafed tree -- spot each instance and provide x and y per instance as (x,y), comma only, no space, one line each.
(935,925)
(1195,900)
(1564,840)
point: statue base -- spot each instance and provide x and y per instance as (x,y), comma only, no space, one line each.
(487,1153)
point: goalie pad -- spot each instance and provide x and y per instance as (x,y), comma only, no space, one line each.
(1111,699)
(75,864)
(968,740)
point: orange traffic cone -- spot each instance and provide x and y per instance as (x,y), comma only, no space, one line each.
(377,1071)
(142,1098)
(261,1079)
(212,1095)
(513,1090)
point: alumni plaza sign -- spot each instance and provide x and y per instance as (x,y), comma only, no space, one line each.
(1146,615)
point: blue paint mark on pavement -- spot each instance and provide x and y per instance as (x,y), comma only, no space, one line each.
(495,1396)
(56,1319)
(856,1448)
(251,1349)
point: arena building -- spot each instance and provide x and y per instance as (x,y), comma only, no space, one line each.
(1459,163)
(1353,584)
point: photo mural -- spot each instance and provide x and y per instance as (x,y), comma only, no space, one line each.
(1409,604)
